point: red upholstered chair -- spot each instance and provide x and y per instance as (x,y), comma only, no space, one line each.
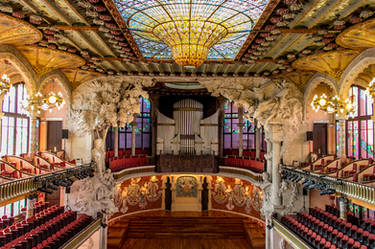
(369,177)
(350,172)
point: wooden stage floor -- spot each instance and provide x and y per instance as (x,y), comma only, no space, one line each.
(184,230)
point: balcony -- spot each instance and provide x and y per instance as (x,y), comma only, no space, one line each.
(358,191)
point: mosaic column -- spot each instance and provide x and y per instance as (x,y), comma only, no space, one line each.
(342,206)
(240,127)
(33,140)
(134,125)
(341,149)
(221,102)
(257,143)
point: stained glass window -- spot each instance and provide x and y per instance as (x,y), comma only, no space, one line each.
(142,131)
(232,130)
(231,127)
(248,130)
(145,17)
(15,124)
(360,128)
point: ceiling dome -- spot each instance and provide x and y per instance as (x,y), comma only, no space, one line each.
(190,30)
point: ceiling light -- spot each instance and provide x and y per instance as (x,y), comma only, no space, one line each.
(188,30)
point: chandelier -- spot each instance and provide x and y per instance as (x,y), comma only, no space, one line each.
(370,90)
(4,84)
(334,105)
(190,40)
(46,103)
(190,31)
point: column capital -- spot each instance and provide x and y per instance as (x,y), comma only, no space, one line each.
(276,132)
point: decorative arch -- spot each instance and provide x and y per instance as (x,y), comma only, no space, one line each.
(357,66)
(25,69)
(313,83)
(59,78)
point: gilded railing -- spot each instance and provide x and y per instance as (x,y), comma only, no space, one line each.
(349,189)
(24,186)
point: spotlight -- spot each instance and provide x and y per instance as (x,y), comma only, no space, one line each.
(50,186)
(45,190)
(329,191)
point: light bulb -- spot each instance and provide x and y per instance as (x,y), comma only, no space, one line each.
(322,102)
(52,99)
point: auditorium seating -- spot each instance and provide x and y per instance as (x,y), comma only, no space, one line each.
(254,165)
(49,227)
(324,229)
(128,162)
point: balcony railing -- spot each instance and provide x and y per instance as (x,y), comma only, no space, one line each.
(289,236)
(13,189)
(350,189)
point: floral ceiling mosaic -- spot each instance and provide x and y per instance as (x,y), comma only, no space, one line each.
(236,18)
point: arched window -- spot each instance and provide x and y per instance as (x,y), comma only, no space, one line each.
(15,124)
(231,128)
(360,128)
(142,131)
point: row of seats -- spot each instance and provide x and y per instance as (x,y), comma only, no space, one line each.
(123,163)
(49,228)
(325,226)
(19,229)
(254,165)
(322,237)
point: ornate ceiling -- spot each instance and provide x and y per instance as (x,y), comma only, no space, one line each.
(113,36)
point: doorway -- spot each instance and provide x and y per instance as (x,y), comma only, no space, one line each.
(54,135)
(320,138)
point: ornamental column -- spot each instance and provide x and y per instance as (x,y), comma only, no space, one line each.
(240,127)
(154,99)
(134,125)
(115,147)
(33,140)
(276,131)
(341,149)
(257,143)
(221,102)
(342,207)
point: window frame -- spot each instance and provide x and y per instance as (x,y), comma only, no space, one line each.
(358,118)
(16,115)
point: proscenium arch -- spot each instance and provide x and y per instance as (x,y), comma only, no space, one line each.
(357,66)
(11,54)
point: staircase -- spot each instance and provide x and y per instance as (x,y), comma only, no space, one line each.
(186,227)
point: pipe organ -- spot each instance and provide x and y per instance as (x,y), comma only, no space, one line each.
(187,133)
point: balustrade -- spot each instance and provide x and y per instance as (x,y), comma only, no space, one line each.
(19,187)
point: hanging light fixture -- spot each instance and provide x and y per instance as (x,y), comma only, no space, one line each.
(40,102)
(370,90)
(4,84)
(190,31)
(334,105)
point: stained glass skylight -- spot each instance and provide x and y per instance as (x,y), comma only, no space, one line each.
(157,24)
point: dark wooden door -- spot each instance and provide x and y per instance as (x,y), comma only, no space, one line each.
(320,139)
(54,135)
